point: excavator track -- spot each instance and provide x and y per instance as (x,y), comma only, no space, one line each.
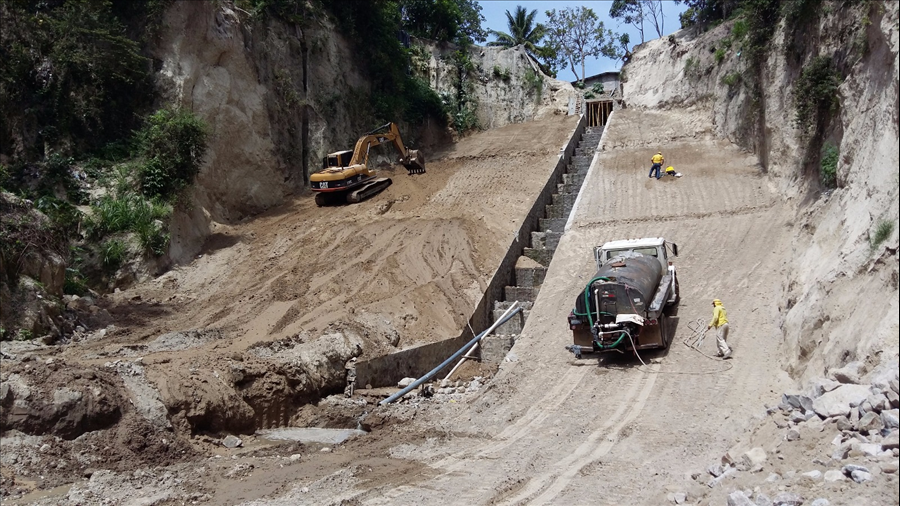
(368,189)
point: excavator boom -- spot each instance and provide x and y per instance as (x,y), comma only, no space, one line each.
(351,181)
(409,158)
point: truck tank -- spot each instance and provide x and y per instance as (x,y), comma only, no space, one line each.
(613,310)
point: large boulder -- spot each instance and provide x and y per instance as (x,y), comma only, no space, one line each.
(839,401)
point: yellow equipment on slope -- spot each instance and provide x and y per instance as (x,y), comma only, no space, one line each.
(346,176)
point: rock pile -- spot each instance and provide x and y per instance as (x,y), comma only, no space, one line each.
(443,391)
(827,443)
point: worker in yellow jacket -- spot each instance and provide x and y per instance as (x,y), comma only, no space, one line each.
(657,161)
(720,322)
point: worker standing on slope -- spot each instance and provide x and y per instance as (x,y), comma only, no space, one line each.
(720,322)
(657,161)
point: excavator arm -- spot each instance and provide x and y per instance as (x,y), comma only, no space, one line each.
(409,158)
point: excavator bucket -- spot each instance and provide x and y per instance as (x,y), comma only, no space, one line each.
(414,162)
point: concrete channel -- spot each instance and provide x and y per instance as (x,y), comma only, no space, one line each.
(518,277)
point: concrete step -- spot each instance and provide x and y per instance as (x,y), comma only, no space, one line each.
(568,188)
(566,199)
(530,276)
(578,161)
(544,240)
(578,167)
(575,179)
(506,304)
(585,151)
(520,293)
(494,348)
(513,326)
(541,256)
(560,211)
(553,224)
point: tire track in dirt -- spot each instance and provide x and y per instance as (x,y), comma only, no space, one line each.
(532,425)
(551,483)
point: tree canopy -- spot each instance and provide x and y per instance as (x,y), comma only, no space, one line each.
(456,21)
(574,34)
(523,31)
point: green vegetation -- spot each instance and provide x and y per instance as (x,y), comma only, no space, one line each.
(70,75)
(172,144)
(828,165)
(574,34)
(731,79)
(883,231)
(396,92)
(720,54)
(502,74)
(523,31)
(815,93)
(739,30)
(75,284)
(112,253)
(462,106)
(535,83)
(457,21)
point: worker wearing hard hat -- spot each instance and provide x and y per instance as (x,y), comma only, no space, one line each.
(720,322)
(657,161)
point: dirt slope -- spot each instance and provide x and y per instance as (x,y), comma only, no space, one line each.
(417,255)
(551,430)
(263,321)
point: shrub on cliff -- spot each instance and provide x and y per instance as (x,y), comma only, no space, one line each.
(172,144)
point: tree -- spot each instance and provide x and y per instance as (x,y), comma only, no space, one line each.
(630,12)
(444,20)
(576,34)
(523,32)
(624,40)
(653,9)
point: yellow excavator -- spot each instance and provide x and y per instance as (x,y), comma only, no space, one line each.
(346,177)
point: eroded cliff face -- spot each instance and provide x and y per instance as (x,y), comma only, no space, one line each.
(278,97)
(505,84)
(841,287)
(207,70)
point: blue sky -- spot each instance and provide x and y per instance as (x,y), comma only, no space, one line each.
(494,12)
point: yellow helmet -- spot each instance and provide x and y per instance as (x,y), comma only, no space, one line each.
(717,302)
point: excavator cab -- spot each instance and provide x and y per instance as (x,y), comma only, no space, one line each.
(337,159)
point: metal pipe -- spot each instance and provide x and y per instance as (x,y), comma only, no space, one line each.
(597,302)
(506,316)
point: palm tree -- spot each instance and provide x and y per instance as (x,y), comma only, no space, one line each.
(523,32)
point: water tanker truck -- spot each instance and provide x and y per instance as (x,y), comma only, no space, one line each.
(624,306)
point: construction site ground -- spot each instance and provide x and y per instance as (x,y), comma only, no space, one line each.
(545,428)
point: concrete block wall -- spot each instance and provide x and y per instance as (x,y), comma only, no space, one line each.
(529,274)
(414,362)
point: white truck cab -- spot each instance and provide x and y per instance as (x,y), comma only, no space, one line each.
(656,247)
(650,246)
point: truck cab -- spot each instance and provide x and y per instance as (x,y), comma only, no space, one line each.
(653,246)
(656,247)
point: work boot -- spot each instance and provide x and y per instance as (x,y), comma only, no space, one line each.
(727,355)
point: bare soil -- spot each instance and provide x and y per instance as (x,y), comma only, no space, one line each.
(545,428)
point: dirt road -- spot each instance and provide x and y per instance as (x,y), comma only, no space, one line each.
(552,430)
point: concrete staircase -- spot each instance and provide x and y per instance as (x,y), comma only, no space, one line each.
(531,267)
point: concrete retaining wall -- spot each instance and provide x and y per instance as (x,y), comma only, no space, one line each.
(414,362)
